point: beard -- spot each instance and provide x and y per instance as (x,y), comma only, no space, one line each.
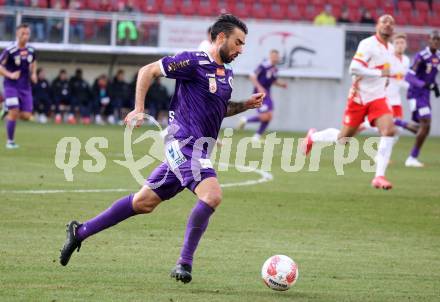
(223,52)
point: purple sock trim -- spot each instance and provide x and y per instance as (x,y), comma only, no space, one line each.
(262,128)
(415,152)
(254,119)
(400,123)
(117,212)
(197,224)
(10,129)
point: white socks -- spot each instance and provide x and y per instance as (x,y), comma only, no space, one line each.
(327,135)
(383,154)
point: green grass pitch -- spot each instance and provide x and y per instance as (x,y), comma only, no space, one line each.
(351,242)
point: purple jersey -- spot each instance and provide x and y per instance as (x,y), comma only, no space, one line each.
(423,71)
(200,100)
(14,59)
(266,75)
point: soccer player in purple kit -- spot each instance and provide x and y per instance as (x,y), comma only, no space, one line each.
(421,78)
(18,65)
(200,102)
(263,78)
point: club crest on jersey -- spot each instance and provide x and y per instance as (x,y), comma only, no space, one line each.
(212,85)
(220,72)
(30,58)
(17,60)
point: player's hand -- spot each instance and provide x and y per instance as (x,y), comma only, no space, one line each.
(34,78)
(134,118)
(282,84)
(255,101)
(14,75)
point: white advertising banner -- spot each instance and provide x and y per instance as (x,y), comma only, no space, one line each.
(306,50)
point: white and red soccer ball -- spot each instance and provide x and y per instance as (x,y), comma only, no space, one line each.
(279,272)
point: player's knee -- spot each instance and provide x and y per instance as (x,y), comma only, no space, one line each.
(26,116)
(389,130)
(12,115)
(145,202)
(213,199)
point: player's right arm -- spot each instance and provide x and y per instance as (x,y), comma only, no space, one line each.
(411,76)
(253,77)
(181,66)
(359,64)
(146,75)
(3,71)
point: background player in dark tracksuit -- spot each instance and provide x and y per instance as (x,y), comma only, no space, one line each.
(120,91)
(102,103)
(81,96)
(422,78)
(41,92)
(18,65)
(61,98)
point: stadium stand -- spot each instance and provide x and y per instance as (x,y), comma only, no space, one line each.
(416,13)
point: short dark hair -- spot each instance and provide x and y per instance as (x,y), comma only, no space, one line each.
(226,23)
(22,25)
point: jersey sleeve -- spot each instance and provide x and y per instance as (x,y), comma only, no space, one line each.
(418,59)
(258,70)
(363,53)
(180,67)
(4,57)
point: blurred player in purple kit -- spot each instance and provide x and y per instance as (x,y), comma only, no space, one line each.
(421,77)
(18,65)
(263,78)
(200,102)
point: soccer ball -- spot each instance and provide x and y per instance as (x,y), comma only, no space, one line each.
(279,272)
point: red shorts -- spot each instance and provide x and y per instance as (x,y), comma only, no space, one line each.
(355,113)
(397,111)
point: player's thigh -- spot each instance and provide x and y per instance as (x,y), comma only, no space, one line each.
(26,104)
(209,191)
(385,124)
(145,200)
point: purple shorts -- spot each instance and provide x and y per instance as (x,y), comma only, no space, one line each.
(267,105)
(183,171)
(19,98)
(420,108)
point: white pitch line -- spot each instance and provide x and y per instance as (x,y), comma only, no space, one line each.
(265,177)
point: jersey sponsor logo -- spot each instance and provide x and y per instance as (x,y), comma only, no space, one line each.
(220,72)
(204,62)
(212,85)
(17,60)
(174,156)
(173,66)
(210,75)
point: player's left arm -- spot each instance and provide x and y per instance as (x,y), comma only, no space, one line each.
(280,83)
(33,68)
(255,101)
